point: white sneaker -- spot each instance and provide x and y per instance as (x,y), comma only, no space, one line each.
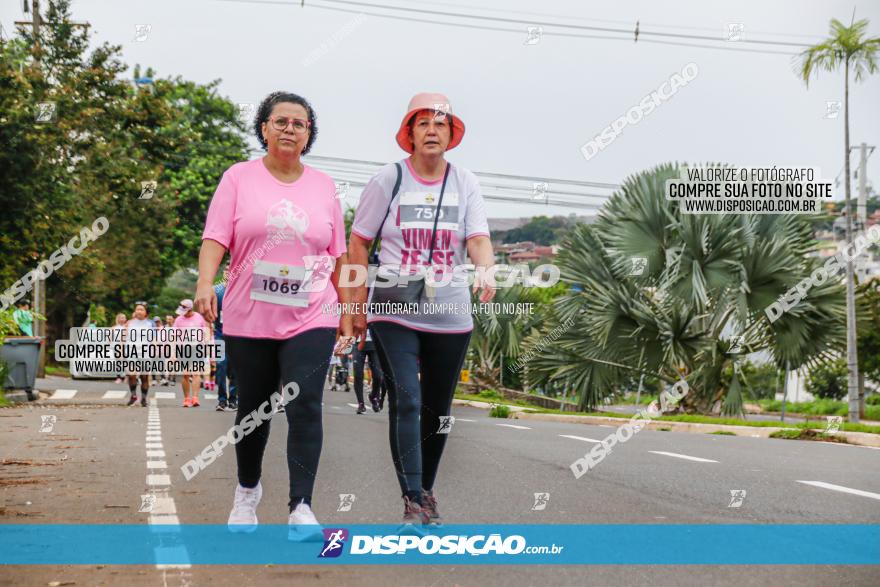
(302,525)
(243,517)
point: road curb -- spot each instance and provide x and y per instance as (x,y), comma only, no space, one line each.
(856,438)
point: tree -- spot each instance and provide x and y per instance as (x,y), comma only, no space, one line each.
(828,380)
(108,136)
(707,278)
(846,46)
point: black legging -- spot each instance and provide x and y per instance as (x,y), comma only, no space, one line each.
(259,365)
(414,406)
(359,356)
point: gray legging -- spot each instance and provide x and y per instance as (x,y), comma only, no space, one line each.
(414,406)
(259,365)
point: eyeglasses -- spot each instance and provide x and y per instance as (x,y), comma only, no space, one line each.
(280,123)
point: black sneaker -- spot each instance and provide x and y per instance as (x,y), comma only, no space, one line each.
(381,401)
(374,401)
(413,514)
(221,407)
(232,405)
(429,506)
(362,409)
(132,399)
(144,401)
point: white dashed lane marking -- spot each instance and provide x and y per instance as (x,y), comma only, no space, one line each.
(685,457)
(63,394)
(841,488)
(579,438)
(165,395)
(514,426)
(115,394)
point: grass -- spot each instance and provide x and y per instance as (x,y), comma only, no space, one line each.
(3,401)
(691,418)
(818,407)
(58,370)
(807,434)
(723,433)
(499,411)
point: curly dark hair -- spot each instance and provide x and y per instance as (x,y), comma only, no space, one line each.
(265,109)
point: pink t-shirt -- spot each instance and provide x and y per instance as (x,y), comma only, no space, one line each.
(194,321)
(283,240)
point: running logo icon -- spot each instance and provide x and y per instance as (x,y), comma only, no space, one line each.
(833,425)
(737,497)
(346,500)
(147,503)
(541,501)
(48,423)
(148,189)
(334,541)
(735,345)
(638,265)
(446,423)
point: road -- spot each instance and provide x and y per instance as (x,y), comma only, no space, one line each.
(101,457)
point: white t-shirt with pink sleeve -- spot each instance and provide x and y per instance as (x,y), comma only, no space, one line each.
(283,240)
(406,235)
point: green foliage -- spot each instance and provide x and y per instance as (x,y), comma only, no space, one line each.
(107,138)
(873,400)
(819,407)
(541,230)
(705,274)
(498,337)
(868,295)
(828,380)
(761,380)
(499,411)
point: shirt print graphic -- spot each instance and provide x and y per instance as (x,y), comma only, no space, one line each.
(286,221)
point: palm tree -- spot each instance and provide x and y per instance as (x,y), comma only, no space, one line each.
(708,278)
(845,46)
(497,337)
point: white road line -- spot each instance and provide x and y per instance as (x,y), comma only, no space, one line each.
(164,506)
(165,395)
(158,479)
(678,456)
(154,445)
(163,519)
(579,438)
(514,426)
(606,426)
(114,394)
(210,396)
(353,405)
(464,420)
(841,488)
(63,394)
(157,465)
(155,454)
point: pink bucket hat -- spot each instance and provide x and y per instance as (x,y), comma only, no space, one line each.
(429,101)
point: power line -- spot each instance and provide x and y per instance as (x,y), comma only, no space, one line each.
(560,25)
(627,32)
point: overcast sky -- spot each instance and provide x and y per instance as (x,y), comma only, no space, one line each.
(528,108)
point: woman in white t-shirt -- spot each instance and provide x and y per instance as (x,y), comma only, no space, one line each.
(436,216)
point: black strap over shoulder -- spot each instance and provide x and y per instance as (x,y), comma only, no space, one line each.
(372,259)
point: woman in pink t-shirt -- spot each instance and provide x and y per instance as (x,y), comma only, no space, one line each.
(282,224)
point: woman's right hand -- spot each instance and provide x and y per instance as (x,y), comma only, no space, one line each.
(206,301)
(359,329)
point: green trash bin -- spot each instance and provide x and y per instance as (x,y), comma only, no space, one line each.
(21,355)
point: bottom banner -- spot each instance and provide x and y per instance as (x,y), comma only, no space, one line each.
(518,544)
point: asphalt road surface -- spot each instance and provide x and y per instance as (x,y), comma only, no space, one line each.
(101,457)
